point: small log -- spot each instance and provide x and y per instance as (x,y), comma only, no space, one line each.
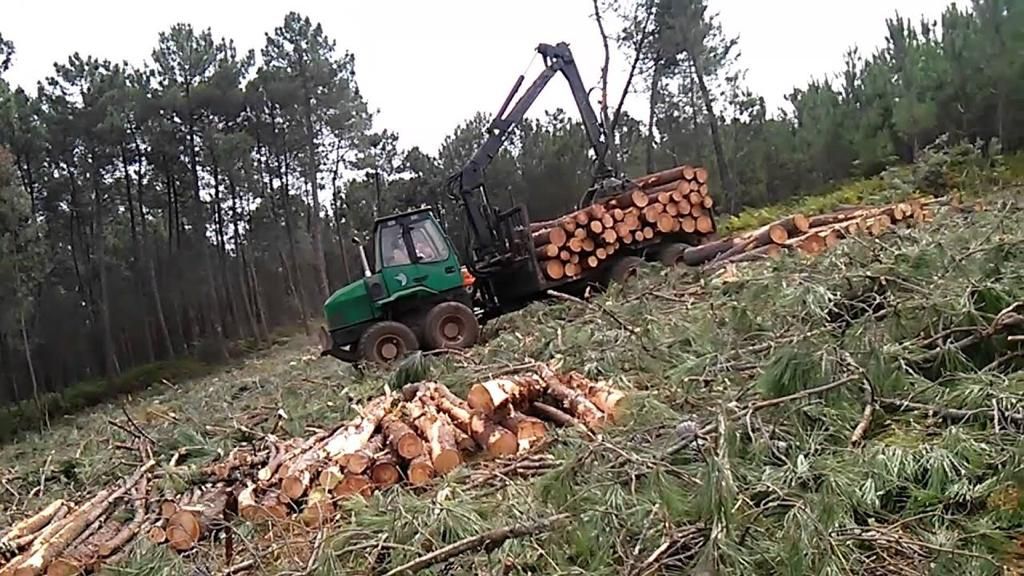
(156,534)
(569,225)
(597,211)
(272,507)
(607,399)
(664,197)
(248,508)
(319,508)
(565,255)
(580,232)
(500,395)
(689,173)
(608,221)
(576,245)
(648,232)
(596,226)
(672,209)
(683,207)
(697,211)
(421,471)
(708,202)
(577,404)
(581,218)
(190,524)
(34,523)
(663,177)
(547,251)
(554,269)
(698,255)
(574,259)
(360,460)
(528,430)
(601,253)
(495,439)
(700,175)
(638,236)
(44,552)
(84,555)
(128,531)
(401,438)
(589,245)
(555,236)
(354,485)
(811,243)
(695,199)
(591,262)
(444,450)
(618,214)
(384,471)
(705,225)
(688,224)
(609,236)
(665,223)
(633,198)
(551,413)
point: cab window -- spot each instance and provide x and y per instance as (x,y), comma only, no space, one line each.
(428,241)
(392,246)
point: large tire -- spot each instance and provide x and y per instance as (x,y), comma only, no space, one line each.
(386,341)
(672,254)
(451,325)
(625,269)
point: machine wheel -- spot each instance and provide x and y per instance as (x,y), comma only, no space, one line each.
(672,254)
(386,341)
(451,325)
(625,269)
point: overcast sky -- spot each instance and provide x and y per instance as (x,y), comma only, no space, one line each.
(428,65)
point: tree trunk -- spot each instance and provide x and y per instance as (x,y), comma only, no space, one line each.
(315,223)
(296,280)
(111,366)
(653,105)
(716,136)
(28,357)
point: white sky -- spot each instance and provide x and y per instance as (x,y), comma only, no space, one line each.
(428,65)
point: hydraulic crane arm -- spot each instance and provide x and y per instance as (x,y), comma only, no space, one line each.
(467,184)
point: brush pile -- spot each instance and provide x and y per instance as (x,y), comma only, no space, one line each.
(808,235)
(673,202)
(425,432)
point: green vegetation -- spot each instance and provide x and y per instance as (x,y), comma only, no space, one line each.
(764,488)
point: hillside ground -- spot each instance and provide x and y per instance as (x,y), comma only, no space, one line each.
(739,455)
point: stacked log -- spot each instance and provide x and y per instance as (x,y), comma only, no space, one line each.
(673,202)
(808,236)
(427,432)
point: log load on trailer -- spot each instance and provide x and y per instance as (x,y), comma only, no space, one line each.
(421,294)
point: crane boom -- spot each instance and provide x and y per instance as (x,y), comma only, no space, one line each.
(488,234)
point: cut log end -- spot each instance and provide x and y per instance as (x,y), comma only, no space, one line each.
(420,471)
(554,269)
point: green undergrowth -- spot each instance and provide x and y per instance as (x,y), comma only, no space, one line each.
(762,489)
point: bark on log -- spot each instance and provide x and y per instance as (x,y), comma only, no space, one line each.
(551,413)
(527,429)
(663,177)
(360,461)
(495,439)
(128,531)
(697,255)
(607,399)
(74,525)
(358,431)
(401,437)
(577,404)
(85,555)
(444,450)
(547,251)
(421,471)
(190,524)
(318,510)
(634,198)
(555,235)
(501,394)
(34,523)
(761,253)
(384,471)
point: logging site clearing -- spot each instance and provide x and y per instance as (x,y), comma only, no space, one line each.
(852,406)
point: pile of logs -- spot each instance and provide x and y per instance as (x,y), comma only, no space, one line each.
(674,201)
(806,235)
(413,437)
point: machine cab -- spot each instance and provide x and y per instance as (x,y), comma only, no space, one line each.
(412,253)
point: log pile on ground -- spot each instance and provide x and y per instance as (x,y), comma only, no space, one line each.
(673,202)
(426,432)
(807,235)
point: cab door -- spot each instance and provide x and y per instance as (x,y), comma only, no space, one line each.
(397,267)
(437,264)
